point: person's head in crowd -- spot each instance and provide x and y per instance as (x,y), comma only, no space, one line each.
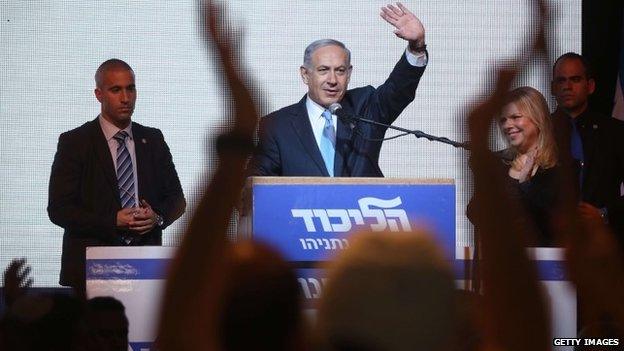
(261,301)
(573,82)
(326,71)
(107,323)
(525,123)
(388,292)
(45,322)
(115,89)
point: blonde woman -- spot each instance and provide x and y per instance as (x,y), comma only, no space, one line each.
(530,160)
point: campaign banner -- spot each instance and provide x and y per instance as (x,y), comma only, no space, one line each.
(312,222)
(136,277)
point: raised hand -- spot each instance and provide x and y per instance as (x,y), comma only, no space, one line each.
(191,307)
(407,25)
(226,44)
(16,280)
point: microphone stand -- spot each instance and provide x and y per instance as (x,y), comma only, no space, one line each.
(416,133)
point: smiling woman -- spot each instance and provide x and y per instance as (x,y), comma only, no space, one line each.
(525,122)
(530,161)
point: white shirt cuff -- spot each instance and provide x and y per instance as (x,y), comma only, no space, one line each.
(419,60)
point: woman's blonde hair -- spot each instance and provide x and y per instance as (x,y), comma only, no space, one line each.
(532,104)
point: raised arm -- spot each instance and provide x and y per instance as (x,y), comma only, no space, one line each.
(191,301)
(515,313)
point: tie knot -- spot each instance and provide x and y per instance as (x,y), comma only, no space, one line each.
(121,136)
(327,115)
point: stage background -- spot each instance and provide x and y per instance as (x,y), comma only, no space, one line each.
(50,51)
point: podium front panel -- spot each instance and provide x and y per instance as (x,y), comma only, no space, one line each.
(312,222)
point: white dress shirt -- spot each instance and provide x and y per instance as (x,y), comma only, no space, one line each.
(109,131)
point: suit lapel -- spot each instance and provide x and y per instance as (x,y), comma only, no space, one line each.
(104,157)
(344,132)
(140,149)
(301,124)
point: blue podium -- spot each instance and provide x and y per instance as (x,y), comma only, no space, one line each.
(309,219)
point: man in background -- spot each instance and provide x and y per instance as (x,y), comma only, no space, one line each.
(594,142)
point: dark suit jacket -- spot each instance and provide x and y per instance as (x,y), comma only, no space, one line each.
(537,196)
(83,195)
(287,146)
(603,151)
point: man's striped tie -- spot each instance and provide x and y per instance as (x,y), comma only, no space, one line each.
(125,173)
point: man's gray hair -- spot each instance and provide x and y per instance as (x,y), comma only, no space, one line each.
(317,44)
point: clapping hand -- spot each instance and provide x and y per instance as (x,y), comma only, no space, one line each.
(523,166)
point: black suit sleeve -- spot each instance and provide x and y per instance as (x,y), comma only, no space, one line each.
(615,207)
(65,207)
(171,202)
(398,91)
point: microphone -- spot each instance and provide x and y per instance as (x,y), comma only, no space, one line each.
(336,109)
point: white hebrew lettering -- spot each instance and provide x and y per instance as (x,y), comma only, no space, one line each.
(345,222)
(317,287)
(402,216)
(346,243)
(304,286)
(307,218)
(311,242)
(322,215)
(357,216)
(382,212)
(336,243)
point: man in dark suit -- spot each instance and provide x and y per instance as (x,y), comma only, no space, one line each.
(113,181)
(590,140)
(305,139)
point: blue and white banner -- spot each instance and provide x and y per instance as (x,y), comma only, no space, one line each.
(136,277)
(312,222)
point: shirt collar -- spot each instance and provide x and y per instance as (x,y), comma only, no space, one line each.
(315,110)
(110,129)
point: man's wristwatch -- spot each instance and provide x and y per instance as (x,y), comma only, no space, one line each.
(159,221)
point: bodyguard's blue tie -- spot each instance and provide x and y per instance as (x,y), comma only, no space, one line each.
(125,173)
(328,143)
(576,148)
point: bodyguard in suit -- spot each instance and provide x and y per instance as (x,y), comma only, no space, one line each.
(590,140)
(305,139)
(113,181)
